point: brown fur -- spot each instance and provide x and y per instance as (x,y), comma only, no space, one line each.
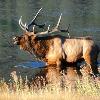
(56,49)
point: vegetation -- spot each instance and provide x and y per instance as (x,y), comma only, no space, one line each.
(18,89)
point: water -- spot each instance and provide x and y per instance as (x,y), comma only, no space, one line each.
(31,64)
(82,15)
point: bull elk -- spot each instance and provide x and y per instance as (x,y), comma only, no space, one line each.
(57,49)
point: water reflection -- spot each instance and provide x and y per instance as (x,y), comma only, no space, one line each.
(82,15)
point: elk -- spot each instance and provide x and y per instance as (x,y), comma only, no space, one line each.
(57,50)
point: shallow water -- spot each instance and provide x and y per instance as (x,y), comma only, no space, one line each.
(82,15)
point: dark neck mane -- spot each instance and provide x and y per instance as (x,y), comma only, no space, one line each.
(40,47)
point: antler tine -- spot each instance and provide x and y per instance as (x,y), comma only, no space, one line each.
(37,14)
(57,26)
(33,20)
(48,29)
(59,20)
(23,26)
(33,28)
(45,32)
(35,17)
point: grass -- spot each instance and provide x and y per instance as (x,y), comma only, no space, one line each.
(18,89)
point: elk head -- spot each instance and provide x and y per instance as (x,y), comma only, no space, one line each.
(23,40)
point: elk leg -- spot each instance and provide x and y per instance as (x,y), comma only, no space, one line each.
(75,67)
(78,72)
(91,62)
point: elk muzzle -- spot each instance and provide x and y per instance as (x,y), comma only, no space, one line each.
(16,40)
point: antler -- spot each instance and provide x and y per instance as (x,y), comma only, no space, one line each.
(56,28)
(33,20)
(25,27)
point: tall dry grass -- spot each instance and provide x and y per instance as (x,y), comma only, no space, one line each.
(18,89)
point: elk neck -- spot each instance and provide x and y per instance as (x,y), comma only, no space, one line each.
(40,46)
